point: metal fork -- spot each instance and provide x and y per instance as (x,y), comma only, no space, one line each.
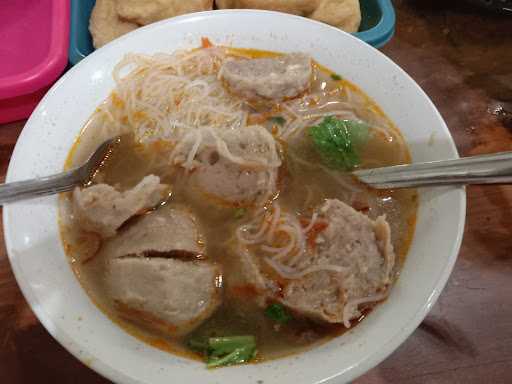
(61,182)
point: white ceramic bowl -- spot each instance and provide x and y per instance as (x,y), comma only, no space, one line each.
(46,279)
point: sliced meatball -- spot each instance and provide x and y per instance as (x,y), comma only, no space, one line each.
(347,264)
(279,78)
(242,169)
(246,281)
(236,167)
(102,209)
(251,146)
(365,244)
(362,248)
(168,295)
(229,182)
(169,230)
(318,295)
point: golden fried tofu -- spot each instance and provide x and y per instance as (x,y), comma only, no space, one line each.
(105,24)
(344,14)
(148,11)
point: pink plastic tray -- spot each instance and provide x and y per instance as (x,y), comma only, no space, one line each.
(34,36)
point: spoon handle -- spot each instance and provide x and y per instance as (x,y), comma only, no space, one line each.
(483,169)
(49,185)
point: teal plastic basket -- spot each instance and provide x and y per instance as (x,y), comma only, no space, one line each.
(378,22)
(377,26)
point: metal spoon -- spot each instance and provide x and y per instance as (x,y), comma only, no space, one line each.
(61,182)
(483,169)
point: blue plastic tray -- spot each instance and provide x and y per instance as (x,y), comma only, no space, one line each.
(377,26)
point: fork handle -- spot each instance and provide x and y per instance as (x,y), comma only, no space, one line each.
(483,169)
(43,186)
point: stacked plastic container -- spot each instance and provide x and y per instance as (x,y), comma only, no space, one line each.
(34,40)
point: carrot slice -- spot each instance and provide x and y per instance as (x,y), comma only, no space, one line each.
(206,43)
(312,234)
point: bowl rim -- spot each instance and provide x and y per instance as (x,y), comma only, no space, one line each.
(116,375)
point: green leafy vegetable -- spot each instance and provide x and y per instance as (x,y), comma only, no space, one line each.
(338,141)
(223,351)
(238,356)
(279,120)
(223,345)
(336,77)
(239,213)
(278,313)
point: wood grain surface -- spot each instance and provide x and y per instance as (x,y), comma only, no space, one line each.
(462,57)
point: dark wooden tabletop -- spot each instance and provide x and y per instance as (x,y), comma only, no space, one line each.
(462,57)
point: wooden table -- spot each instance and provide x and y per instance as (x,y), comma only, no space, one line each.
(463,60)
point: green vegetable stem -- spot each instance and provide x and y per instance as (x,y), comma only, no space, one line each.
(224,351)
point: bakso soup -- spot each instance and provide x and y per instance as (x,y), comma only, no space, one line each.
(224,224)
